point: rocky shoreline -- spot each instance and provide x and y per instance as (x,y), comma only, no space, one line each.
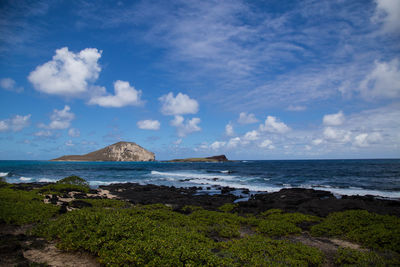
(307,201)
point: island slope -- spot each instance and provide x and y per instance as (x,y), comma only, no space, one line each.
(121,151)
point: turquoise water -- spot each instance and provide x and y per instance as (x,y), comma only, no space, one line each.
(350,177)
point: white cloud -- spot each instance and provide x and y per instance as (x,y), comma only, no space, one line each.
(245,118)
(366,139)
(272,125)
(229,130)
(15,124)
(149,124)
(178,142)
(125,95)
(10,85)
(44,133)
(251,136)
(389,12)
(69,143)
(74,132)
(233,142)
(317,141)
(383,81)
(60,119)
(185,128)
(296,108)
(266,144)
(334,119)
(68,73)
(336,135)
(179,105)
(217,145)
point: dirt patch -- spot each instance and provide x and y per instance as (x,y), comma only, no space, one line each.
(57,258)
(328,246)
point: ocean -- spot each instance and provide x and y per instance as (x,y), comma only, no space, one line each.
(379,177)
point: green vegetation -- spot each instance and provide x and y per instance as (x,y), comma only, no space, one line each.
(352,257)
(257,250)
(65,185)
(22,207)
(369,229)
(155,235)
(120,233)
(228,207)
(275,223)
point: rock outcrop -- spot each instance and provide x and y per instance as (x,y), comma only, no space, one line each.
(121,151)
(220,158)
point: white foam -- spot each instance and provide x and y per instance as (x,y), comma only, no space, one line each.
(2,174)
(190,175)
(25,178)
(226,171)
(360,192)
(107,182)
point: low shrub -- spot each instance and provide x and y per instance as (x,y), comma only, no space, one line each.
(65,185)
(22,207)
(258,250)
(228,207)
(352,257)
(369,229)
(275,223)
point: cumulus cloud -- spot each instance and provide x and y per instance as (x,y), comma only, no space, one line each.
(383,81)
(179,105)
(273,125)
(74,132)
(125,95)
(149,124)
(336,135)
(251,136)
(245,118)
(334,119)
(60,119)
(68,73)
(15,124)
(233,142)
(366,139)
(229,129)
(10,85)
(266,144)
(217,145)
(185,128)
(388,11)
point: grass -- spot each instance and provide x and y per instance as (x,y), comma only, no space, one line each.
(65,185)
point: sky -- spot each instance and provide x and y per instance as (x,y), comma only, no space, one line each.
(310,79)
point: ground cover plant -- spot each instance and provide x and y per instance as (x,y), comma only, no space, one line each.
(275,223)
(22,207)
(65,185)
(120,233)
(369,229)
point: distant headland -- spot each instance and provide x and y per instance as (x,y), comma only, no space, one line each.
(220,158)
(121,151)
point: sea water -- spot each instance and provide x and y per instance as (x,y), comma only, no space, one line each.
(379,177)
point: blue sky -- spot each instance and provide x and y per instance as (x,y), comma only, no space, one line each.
(249,79)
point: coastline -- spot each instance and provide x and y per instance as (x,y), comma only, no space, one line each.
(291,220)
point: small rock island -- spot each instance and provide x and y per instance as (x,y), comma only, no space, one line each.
(220,158)
(121,151)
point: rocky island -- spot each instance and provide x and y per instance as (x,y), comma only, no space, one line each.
(220,158)
(121,151)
